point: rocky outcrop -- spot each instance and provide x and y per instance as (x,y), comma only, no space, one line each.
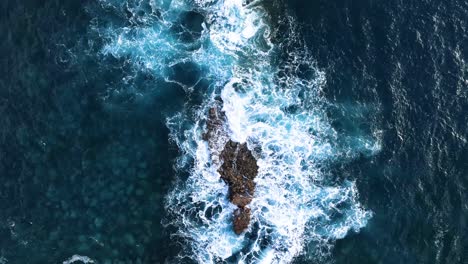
(241,219)
(238,168)
(215,134)
(214,125)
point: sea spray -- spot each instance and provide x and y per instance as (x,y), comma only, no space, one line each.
(270,104)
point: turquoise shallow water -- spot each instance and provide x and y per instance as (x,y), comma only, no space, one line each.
(88,158)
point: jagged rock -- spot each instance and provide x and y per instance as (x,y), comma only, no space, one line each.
(213,124)
(240,200)
(238,170)
(215,134)
(241,219)
(237,167)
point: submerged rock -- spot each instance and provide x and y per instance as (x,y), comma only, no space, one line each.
(213,125)
(215,134)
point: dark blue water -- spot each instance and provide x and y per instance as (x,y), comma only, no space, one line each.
(89,161)
(405,61)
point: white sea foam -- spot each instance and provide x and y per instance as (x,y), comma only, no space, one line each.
(280,116)
(78,258)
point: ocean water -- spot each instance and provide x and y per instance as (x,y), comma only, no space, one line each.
(356,112)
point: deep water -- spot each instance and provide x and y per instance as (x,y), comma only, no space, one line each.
(96,121)
(405,60)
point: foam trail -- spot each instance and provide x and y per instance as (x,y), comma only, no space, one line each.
(272,106)
(78,258)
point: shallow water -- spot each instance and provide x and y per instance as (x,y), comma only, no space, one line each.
(356,113)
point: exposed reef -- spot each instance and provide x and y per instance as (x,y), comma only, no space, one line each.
(238,168)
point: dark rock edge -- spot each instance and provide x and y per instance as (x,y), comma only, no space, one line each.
(238,170)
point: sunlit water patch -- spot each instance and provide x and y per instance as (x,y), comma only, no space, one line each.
(269,103)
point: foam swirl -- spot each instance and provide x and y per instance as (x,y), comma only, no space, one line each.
(270,104)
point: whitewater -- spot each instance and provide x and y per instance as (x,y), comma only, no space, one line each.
(269,89)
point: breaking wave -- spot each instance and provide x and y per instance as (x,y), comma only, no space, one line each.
(270,91)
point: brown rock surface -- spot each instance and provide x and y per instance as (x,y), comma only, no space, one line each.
(237,167)
(241,219)
(215,134)
(213,124)
(239,170)
(239,199)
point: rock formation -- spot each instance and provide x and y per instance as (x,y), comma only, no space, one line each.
(238,168)
(241,219)
(215,134)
